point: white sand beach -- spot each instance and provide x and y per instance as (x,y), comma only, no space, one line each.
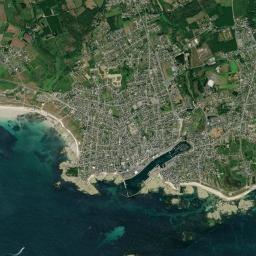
(11,112)
(220,194)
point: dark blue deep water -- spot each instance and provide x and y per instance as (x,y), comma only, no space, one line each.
(64,222)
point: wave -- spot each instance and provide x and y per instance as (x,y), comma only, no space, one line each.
(18,253)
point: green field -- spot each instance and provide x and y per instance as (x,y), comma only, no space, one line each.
(225,16)
(126,72)
(164,23)
(166,6)
(240,7)
(3,27)
(235,145)
(99,3)
(198,120)
(209,6)
(192,83)
(234,152)
(114,11)
(230,176)
(115,22)
(7,85)
(72,172)
(223,108)
(251,14)
(114,17)
(216,46)
(228,86)
(179,31)
(233,67)
(3,72)
(116,112)
(166,107)
(58,43)
(225,3)
(106,94)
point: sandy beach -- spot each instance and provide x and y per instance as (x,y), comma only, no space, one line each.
(11,112)
(218,193)
(72,148)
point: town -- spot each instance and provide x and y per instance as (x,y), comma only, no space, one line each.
(141,77)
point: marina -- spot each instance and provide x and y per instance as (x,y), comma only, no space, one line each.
(133,185)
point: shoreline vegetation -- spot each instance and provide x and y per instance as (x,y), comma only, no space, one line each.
(153,184)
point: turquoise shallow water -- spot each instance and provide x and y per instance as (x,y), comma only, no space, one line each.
(55,222)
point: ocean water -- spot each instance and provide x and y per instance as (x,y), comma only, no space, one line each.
(37,219)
